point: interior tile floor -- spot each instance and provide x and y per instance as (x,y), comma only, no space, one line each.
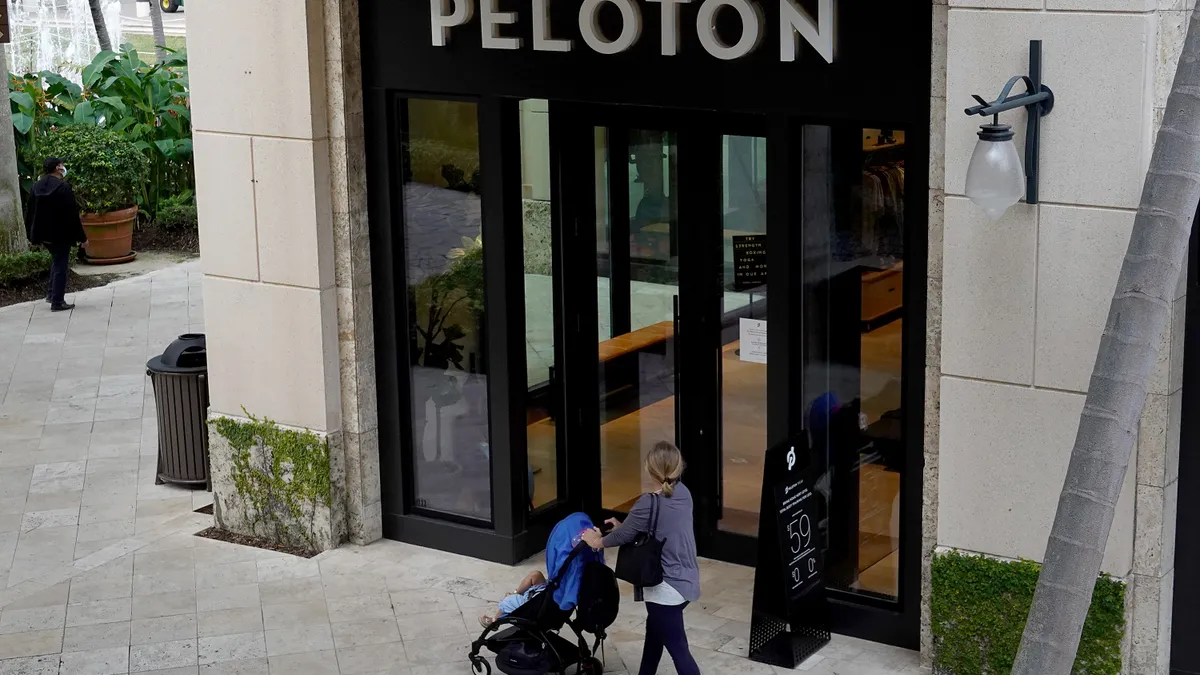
(101,574)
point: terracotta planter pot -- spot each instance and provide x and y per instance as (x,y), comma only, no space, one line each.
(110,235)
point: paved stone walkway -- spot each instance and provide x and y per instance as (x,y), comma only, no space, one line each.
(101,573)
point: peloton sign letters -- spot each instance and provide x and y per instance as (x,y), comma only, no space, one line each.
(794,23)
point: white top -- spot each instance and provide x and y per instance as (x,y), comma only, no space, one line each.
(662,594)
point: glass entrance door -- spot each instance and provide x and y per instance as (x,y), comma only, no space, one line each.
(678,248)
(638,299)
(743,331)
(669,221)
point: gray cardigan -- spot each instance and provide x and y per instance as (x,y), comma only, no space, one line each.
(675,528)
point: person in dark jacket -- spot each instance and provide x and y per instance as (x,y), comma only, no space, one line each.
(53,221)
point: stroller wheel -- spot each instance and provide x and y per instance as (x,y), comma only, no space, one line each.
(591,666)
(480,665)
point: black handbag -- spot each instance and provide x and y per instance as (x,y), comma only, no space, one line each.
(640,561)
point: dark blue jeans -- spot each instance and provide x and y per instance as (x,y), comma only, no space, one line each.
(59,264)
(664,628)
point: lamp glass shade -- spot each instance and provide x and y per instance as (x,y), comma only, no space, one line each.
(995,177)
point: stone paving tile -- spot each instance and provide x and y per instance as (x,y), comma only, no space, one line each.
(163,629)
(83,591)
(310,613)
(257,666)
(298,639)
(32,665)
(229,597)
(232,647)
(360,633)
(98,611)
(163,604)
(230,622)
(162,655)
(367,658)
(96,636)
(319,663)
(107,661)
(33,643)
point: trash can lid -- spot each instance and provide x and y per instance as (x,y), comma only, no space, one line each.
(187,354)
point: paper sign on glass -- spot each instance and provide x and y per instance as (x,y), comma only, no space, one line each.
(753,340)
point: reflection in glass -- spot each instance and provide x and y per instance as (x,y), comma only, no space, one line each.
(603,231)
(637,363)
(744,311)
(542,399)
(444,249)
(653,238)
(854,268)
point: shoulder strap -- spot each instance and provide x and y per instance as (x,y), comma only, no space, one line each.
(653,514)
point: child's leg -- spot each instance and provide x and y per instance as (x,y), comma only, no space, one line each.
(532,579)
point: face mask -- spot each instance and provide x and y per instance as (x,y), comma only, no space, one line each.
(64,172)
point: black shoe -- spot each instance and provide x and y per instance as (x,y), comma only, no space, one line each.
(62,308)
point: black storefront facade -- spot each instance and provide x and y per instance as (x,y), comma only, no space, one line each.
(526,354)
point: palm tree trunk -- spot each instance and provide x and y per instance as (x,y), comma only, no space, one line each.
(98,22)
(1137,317)
(160,37)
(12,216)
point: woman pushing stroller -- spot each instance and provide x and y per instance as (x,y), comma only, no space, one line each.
(681,572)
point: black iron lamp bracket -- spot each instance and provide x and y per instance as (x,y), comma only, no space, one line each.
(1038,100)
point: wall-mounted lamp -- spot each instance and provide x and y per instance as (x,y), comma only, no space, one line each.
(995,180)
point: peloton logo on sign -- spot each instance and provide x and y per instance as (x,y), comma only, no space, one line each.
(794,23)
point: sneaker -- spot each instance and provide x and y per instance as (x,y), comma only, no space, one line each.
(62,308)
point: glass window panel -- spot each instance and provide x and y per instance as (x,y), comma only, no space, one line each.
(653,235)
(603,234)
(540,366)
(744,313)
(637,364)
(444,249)
(854,266)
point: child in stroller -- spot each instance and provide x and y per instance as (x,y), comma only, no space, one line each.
(581,594)
(531,585)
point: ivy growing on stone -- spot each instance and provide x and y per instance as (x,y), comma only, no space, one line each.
(978,610)
(281,475)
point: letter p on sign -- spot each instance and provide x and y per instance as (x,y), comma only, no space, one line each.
(442,18)
(791,458)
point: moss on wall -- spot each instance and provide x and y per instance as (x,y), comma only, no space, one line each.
(979,606)
(282,478)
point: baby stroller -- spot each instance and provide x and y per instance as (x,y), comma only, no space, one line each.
(581,594)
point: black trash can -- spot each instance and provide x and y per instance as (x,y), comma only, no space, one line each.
(180,379)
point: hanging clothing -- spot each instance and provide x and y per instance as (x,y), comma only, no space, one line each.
(882,229)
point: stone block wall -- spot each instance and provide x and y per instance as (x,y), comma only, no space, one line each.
(538,255)
(283,235)
(278,484)
(1016,307)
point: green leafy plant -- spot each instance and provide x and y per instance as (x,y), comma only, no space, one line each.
(106,171)
(281,476)
(177,213)
(978,610)
(147,103)
(444,297)
(428,160)
(38,102)
(17,268)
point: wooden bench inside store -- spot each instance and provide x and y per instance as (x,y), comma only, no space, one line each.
(622,366)
(636,341)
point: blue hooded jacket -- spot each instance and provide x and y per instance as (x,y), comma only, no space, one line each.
(563,538)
